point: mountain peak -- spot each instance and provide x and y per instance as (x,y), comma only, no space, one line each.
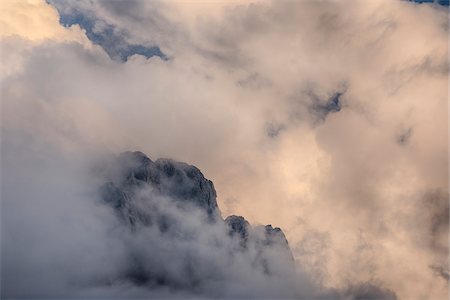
(176,200)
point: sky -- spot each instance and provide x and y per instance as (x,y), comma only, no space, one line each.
(328,119)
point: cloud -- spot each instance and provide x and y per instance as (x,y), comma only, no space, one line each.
(249,95)
(34,21)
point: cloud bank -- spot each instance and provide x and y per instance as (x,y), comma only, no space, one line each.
(324,118)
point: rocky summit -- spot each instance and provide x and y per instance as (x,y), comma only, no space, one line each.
(177,201)
(136,175)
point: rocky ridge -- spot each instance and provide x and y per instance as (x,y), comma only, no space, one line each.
(141,191)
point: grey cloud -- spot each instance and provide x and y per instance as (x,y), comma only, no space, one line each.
(313,107)
(441,271)
(436,211)
(274,129)
(332,105)
(403,138)
(400,76)
(312,252)
(368,291)
(254,81)
(433,215)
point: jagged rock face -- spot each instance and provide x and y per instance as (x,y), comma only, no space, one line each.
(177,201)
(270,244)
(164,177)
(266,235)
(238,226)
(273,235)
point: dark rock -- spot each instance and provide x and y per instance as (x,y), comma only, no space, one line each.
(137,173)
(184,182)
(274,235)
(238,226)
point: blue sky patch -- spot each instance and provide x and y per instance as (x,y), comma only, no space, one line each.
(110,38)
(440,2)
